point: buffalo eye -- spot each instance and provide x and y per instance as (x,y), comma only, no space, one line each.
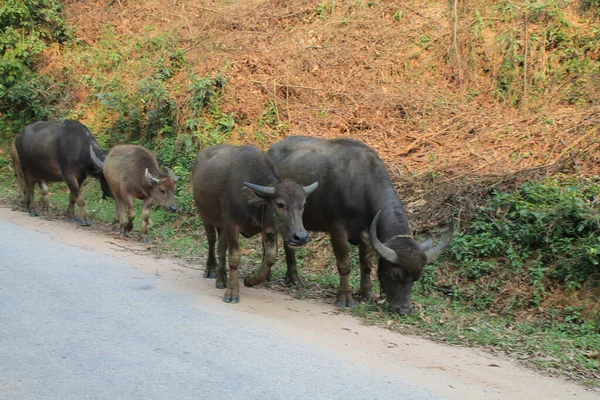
(163,191)
(280,205)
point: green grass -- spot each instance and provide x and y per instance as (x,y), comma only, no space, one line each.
(552,343)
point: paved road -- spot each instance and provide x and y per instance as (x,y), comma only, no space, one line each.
(75,324)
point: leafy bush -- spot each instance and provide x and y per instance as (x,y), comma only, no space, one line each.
(542,236)
(28,26)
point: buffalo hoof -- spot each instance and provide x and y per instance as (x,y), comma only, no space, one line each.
(25,209)
(231,299)
(210,274)
(34,214)
(86,223)
(270,277)
(343,304)
(220,285)
(73,219)
(144,240)
(126,234)
(115,229)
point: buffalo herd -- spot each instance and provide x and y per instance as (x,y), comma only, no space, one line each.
(300,184)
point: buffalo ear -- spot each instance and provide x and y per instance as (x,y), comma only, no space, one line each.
(251,197)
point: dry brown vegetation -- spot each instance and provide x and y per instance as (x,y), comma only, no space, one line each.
(417,81)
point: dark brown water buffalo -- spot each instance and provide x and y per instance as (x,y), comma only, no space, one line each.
(54,152)
(44,202)
(132,172)
(237,190)
(356,196)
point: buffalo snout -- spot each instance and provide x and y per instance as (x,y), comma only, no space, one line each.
(299,239)
(171,208)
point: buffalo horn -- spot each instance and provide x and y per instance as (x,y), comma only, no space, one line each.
(150,178)
(427,243)
(264,190)
(310,188)
(171,174)
(433,253)
(95,158)
(381,249)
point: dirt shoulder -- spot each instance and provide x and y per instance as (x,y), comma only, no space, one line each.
(455,372)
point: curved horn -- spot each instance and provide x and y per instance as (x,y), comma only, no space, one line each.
(381,249)
(427,243)
(264,190)
(310,188)
(434,253)
(95,158)
(152,180)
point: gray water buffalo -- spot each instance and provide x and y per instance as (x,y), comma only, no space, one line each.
(45,203)
(55,152)
(132,172)
(238,190)
(356,203)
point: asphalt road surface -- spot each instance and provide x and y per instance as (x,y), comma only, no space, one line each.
(78,325)
(82,318)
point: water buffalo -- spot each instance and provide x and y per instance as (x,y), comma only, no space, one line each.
(54,152)
(238,190)
(356,196)
(45,203)
(132,172)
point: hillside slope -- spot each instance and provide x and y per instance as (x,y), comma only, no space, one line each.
(445,95)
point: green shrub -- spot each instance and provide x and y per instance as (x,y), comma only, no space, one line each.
(545,234)
(28,26)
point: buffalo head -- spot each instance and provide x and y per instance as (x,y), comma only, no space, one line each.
(401,263)
(283,207)
(163,189)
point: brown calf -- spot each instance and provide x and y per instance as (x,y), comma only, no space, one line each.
(132,172)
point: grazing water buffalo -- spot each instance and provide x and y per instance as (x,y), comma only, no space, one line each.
(356,196)
(132,172)
(45,203)
(237,190)
(55,152)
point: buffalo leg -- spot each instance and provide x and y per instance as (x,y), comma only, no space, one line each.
(71,208)
(232,293)
(269,241)
(291,276)
(44,201)
(222,270)
(126,227)
(366,289)
(146,207)
(76,197)
(83,216)
(119,215)
(211,262)
(29,197)
(339,241)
